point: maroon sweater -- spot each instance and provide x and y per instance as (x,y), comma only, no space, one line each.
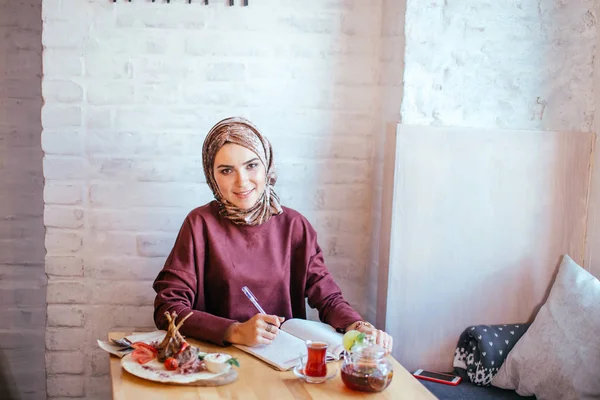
(212,259)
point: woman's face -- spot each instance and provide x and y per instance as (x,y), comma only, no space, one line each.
(240,175)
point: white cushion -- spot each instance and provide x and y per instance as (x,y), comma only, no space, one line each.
(559,355)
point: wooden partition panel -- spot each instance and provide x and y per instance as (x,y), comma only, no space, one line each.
(479,221)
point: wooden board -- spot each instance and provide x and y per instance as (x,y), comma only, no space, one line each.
(592,245)
(480,219)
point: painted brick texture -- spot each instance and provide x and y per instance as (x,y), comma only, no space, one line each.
(22,277)
(501,64)
(130,91)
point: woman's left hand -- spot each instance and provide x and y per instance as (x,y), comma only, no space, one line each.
(382,338)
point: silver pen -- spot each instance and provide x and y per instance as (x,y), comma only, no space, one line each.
(251,297)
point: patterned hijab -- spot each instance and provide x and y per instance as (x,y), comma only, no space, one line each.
(242,132)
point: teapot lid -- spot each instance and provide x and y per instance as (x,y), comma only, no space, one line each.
(372,352)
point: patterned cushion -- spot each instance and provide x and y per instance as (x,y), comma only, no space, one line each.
(482,349)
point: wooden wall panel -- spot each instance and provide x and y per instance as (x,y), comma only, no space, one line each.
(480,219)
(592,246)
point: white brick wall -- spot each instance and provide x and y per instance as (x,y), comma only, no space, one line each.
(22,278)
(130,91)
(500,64)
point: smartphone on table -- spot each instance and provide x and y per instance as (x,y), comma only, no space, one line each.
(439,377)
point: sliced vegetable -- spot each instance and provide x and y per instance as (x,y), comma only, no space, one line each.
(142,345)
(233,361)
(142,355)
(184,346)
(143,352)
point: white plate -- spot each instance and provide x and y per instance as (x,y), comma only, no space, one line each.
(155,371)
(299,372)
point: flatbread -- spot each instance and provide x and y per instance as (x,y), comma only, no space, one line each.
(155,371)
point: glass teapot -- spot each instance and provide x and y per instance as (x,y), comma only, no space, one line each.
(366,368)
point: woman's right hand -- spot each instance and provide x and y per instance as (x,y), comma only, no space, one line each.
(260,329)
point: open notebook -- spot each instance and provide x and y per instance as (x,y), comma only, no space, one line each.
(284,352)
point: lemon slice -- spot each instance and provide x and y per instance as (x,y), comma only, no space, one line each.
(350,338)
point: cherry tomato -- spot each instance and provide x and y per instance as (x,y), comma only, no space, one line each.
(171,364)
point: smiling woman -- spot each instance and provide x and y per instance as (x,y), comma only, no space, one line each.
(240,175)
(246,238)
(238,165)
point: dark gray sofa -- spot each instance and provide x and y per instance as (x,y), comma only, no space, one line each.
(468,391)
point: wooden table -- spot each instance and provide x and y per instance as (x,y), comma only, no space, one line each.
(257,381)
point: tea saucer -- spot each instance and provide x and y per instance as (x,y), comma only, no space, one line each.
(299,372)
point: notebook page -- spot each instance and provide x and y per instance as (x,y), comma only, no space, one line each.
(316,331)
(283,352)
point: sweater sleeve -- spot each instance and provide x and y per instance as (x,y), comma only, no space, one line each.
(322,291)
(180,287)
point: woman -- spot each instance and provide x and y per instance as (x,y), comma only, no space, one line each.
(246,238)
